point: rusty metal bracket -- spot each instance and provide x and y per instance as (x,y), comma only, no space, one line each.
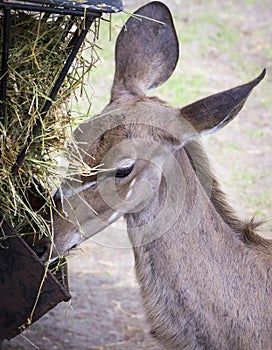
(28,290)
(22,274)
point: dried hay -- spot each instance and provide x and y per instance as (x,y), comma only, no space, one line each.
(38,49)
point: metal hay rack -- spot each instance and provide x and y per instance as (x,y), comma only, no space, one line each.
(22,299)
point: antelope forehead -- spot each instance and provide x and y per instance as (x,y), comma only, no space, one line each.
(137,134)
(138,119)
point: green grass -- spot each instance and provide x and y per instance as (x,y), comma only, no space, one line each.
(230,147)
(211,29)
(181,89)
(243,177)
(257,133)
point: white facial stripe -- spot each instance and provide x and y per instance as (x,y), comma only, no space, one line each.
(87,185)
(129,194)
(114,216)
(70,192)
(132,183)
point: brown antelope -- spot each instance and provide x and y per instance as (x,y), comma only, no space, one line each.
(205,275)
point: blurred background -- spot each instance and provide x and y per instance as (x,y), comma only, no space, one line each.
(222,44)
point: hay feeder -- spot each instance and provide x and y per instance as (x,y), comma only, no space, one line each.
(28,290)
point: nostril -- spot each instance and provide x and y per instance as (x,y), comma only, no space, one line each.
(40,251)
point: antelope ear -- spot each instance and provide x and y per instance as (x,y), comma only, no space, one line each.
(146,51)
(214,112)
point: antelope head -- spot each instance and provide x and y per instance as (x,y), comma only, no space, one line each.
(134,140)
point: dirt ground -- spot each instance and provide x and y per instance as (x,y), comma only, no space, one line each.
(105,312)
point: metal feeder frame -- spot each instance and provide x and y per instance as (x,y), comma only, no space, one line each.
(21,271)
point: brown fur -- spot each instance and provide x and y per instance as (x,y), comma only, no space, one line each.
(209,288)
(246,230)
(204,274)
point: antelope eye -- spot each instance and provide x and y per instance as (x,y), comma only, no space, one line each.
(124,169)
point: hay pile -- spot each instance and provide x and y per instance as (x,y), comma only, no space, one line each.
(38,50)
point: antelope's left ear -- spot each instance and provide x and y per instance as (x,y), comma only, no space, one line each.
(214,112)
